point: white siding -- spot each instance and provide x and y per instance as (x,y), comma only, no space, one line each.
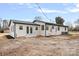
(55,31)
(24,31)
(41,32)
(50,31)
(12,29)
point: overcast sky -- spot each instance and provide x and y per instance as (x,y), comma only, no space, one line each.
(27,11)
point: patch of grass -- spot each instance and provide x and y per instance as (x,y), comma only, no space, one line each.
(74,36)
(40,46)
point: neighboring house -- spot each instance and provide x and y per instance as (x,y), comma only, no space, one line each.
(35,28)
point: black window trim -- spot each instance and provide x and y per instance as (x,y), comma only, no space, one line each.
(42,27)
(31,30)
(20,27)
(36,28)
(27,29)
(58,28)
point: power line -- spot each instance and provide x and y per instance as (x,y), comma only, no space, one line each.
(42,11)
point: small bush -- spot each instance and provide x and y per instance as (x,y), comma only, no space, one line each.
(1,31)
(9,37)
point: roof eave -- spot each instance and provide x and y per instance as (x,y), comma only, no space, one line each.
(26,23)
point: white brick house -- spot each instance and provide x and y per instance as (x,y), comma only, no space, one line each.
(35,28)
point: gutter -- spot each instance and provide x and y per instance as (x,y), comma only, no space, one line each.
(45,29)
(14,30)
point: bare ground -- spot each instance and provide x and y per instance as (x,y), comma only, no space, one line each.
(67,45)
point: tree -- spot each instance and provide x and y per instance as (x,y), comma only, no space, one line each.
(38,18)
(76,28)
(77,21)
(76,25)
(70,26)
(59,20)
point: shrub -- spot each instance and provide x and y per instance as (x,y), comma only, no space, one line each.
(1,31)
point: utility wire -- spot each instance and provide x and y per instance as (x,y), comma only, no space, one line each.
(42,11)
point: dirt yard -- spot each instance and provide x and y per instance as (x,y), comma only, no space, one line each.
(67,45)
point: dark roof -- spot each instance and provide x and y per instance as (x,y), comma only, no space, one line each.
(33,23)
(23,22)
(40,21)
(43,22)
(49,23)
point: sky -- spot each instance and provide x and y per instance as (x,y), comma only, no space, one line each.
(27,11)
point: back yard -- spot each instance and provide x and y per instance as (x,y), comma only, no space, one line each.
(40,46)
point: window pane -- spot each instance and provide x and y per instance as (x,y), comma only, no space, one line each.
(27,30)
(36,28)
(47,28)
(52,27)
(21,27)
(42,27)
(30,29)
(65,28)
(58,28)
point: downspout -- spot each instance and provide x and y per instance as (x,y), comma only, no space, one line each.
(14,30)
(45,29)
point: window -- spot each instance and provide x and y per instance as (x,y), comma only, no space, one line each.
(27,30)
(65,28)
(36,28)
(47,28)
(52,27)
(21,27)
(30,29)
(42,27)
(58,28)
